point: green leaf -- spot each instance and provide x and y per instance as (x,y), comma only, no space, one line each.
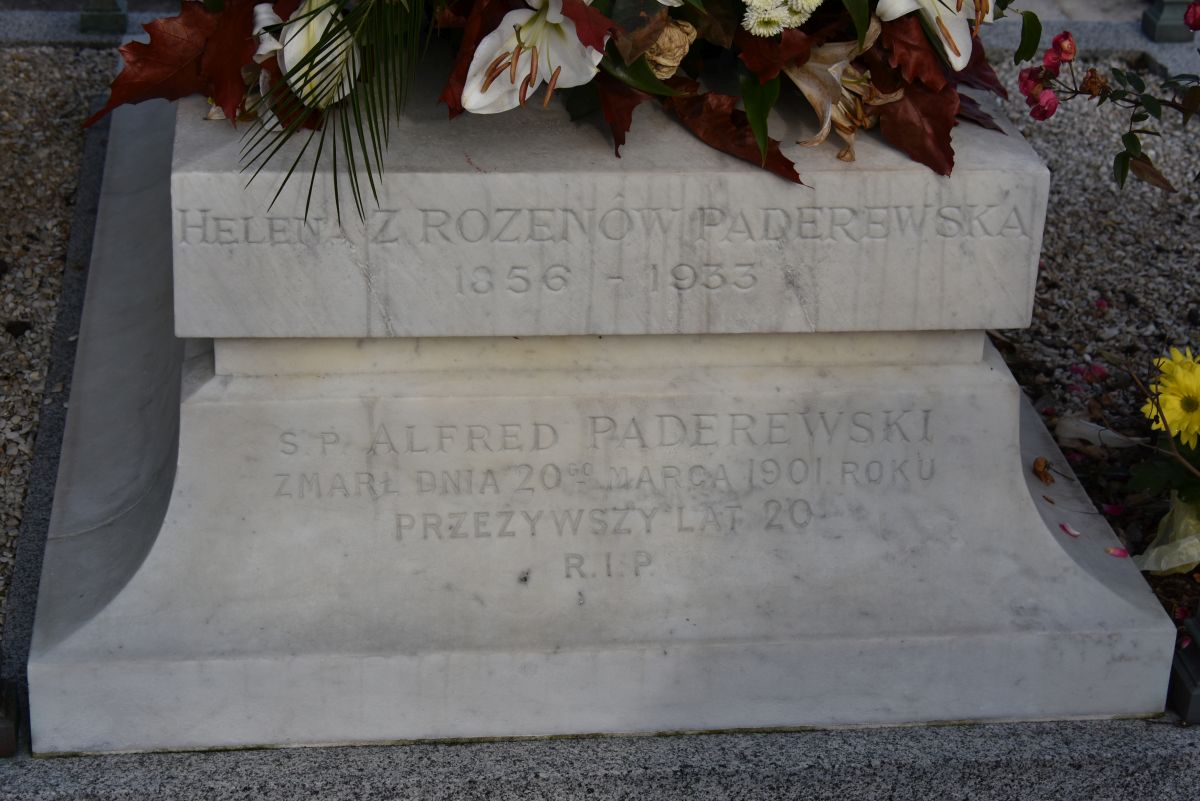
(1136,81)
(1133,145)
(1190,103)
(759,99)
(1152,105)
(1031,37)
(1144,170)
(1121,168)
(638,75)
(860,12)
(581,101)
(1157,476)
(697,4)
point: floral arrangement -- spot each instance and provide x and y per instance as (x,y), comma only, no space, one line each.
(1173,407)
(337,71)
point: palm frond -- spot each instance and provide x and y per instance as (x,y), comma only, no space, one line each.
(389,36)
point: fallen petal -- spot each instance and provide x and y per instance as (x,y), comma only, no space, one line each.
(1112,509)
(1120,553)
(1041,469)
(1069,530)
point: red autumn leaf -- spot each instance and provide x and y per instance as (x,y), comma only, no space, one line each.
(285,8)
(970,110)
(714,119)
(484,17)
(765,57)
(591,26)
(618,101)
(910,51)
(978,74)
(452,14)
(919,124)
(230,48)
(173,64)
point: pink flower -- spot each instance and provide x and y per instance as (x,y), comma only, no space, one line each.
(1052,61)
(1064,46)
(1047,104)
(1029,82)
(1191,17)
(1101,304)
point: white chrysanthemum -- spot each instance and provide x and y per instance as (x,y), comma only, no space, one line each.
(765,22)
(793,20)
(769,17)
(805,7)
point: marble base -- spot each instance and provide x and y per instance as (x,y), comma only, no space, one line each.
(458,554)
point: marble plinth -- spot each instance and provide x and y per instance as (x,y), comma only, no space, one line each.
(524,224)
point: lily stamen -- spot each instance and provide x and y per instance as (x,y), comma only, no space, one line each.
(492,67)
(495,72)
(550,86)
(533,64)
(516,56)
(524,95)
(947,37)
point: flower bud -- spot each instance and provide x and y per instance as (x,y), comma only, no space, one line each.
(1191,17)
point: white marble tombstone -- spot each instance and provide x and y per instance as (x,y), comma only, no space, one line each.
(556,443)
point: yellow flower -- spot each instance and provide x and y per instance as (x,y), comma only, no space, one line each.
(1178,391)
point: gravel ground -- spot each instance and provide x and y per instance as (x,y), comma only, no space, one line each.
(1117,284)
(44,94)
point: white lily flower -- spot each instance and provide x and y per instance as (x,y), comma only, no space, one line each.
(842,95)
(529,47)
(326,79)
(671,3)
(950,20)
(268,45)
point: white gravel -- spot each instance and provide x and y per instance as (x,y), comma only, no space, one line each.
(44,95)
(1120,275)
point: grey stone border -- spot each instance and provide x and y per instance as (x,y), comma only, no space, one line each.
(31,540)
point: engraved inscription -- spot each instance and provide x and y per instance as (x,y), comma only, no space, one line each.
(601,493)
(436,227)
